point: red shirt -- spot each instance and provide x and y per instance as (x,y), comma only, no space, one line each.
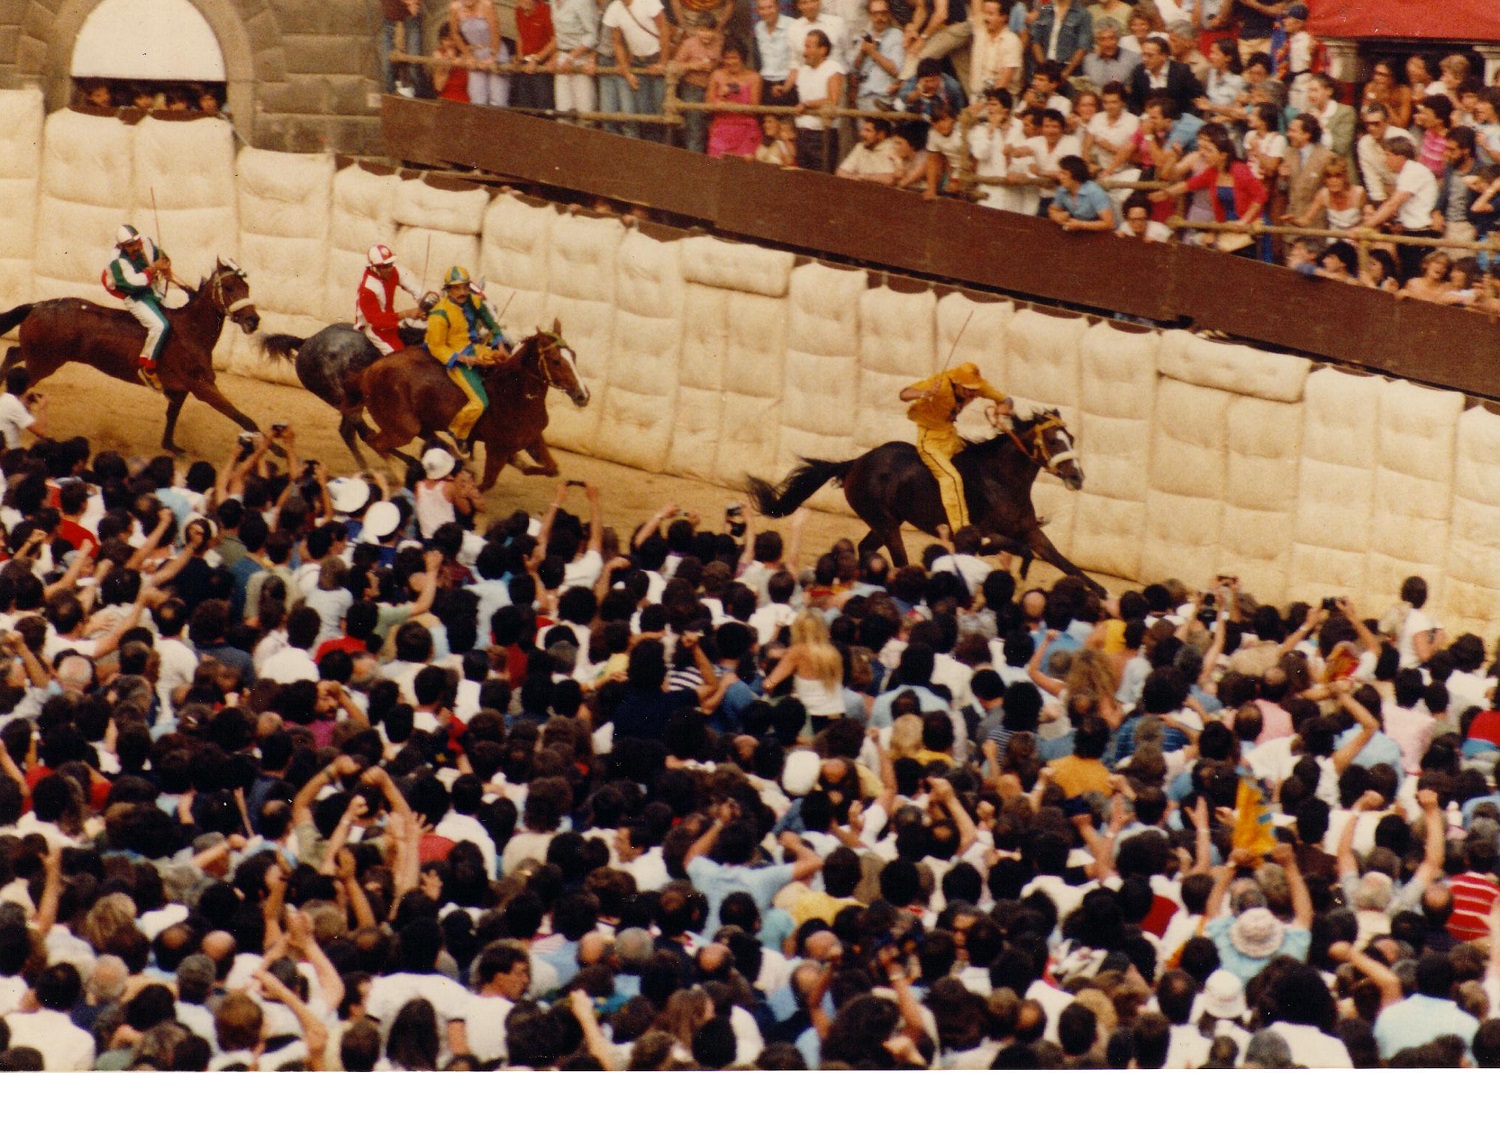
(341,644)
(76,534)
(533,28)
(1472,895)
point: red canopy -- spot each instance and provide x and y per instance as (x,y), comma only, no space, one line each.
(1468,21)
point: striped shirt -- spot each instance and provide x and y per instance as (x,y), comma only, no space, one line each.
(1472,896)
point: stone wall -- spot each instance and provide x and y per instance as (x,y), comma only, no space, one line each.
(302,75)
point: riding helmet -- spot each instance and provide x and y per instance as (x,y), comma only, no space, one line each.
(381,255)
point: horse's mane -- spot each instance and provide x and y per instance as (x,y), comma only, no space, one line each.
(1020,427)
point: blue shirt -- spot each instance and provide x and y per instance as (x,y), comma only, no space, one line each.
(1417,1020)
(1295,942)
(1184,132)
(1381,749)
(716,881)
(874,82)
(775,51)
(880,713)
(1088,204)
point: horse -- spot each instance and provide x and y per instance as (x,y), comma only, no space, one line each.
(409,394)
(69,330)
(328,363)
(889,486)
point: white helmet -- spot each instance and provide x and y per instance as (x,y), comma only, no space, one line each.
(127,233)
(381,255)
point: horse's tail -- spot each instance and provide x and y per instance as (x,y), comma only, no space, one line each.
(280,345)
(780,501)
(10,319)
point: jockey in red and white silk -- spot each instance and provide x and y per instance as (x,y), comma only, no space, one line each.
(375,311)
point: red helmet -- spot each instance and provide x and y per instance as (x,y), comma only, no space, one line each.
(381,255)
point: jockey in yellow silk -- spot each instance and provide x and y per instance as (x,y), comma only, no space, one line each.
(454,338)
(935,405)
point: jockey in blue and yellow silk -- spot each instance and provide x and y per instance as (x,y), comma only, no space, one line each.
(138,274)
(454,337)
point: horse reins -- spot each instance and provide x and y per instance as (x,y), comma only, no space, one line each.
(216,290)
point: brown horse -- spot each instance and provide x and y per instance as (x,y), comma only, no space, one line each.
(68,330)
(409,394)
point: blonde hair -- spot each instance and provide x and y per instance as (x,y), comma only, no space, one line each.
(1091,671)
(811,635)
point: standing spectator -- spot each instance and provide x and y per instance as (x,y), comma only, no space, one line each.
(992,136)
(1183,45)
(476,23)
(1108,61)
(946,32)
(734,134)
(400,30)
(1064,32)
(21,410)
(638,31)
(1158,75)
(1388,89)
(878,58)
(814,17)
(820,82)
(1299,56)
(1432,119)
(1475,891)
(1116,10)
(1452,215)
(536,43)
(995,55)
(697,56)
(1235,193)
(1306,160)
(1338,205)
(576,23)
(1257,20)
(1411,203)
(1048,149)
(773,50)
(1375,129)
(1337,119)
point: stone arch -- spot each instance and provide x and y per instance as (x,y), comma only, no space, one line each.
(236,42)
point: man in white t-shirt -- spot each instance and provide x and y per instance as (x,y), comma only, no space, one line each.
(638,29)
(994,54)
(21,411)
(1375,129)
(1418,635)
(945,149)
(1412,201)
(502,974)
(829,24)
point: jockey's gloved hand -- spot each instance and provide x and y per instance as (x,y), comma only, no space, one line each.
(484,354)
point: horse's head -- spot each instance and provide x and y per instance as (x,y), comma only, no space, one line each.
(555,358)
(229,289)
(1045,438)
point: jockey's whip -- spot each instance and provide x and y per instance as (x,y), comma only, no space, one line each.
(426,261)
(948,362)
(156,218)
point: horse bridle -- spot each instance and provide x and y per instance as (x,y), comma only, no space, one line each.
(546,377)
(224,271)
(1037,452)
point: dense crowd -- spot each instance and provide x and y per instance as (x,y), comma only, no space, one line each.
(311,773)
(1223,107)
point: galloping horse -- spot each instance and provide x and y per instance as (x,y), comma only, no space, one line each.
(69,330)
(409,394)
(329,363)
(889,486)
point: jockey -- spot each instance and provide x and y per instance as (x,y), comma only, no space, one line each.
(375,311)
(935,406)
(453,336)
(138,274)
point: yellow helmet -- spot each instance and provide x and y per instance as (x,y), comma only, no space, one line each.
(458,275)
(966,374)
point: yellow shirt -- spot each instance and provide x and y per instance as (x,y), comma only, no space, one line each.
(1077,775)
(941,410)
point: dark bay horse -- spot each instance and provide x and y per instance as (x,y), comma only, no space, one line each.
(409,394)
(329,363)
(889,486)
(69,330)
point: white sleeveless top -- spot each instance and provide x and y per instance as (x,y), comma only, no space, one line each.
(433,507)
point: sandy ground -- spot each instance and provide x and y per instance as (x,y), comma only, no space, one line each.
(130,418)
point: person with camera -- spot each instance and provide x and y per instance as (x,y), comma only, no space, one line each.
(21,410)
(879,54)
(734,134)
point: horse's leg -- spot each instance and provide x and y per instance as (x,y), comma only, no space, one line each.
(1042,547)
(546,464)
(871,543)
(895,544)
(494,462)
(207,392)
(347,431)
(13,355)
(175,400)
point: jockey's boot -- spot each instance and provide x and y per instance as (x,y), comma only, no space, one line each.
(147,373)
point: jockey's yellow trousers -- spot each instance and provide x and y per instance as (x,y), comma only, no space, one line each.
(937,448)
(468,381)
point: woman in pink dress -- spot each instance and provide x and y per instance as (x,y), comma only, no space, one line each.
(734,134)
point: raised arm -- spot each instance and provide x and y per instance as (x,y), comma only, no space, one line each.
(701,846)
(1344,756)
(596,518)
(1302,905)
(1435,852)
(805,862)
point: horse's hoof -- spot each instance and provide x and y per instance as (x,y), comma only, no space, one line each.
(172,448)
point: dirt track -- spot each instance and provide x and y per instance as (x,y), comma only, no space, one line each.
(129,418)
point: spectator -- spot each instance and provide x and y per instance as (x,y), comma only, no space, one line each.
(1337,119)
(638,31)
(1387,89)
(577,55)
(1108,62)
(871,159)
(995,56)
(478,27)
(1374,173)
(773,47)
(820,83)
(879,55)
(1080,203)
(1159,75)
(400,30)
(1063,33)
(1411,203)
(734,134)
(698,57)
(536,48)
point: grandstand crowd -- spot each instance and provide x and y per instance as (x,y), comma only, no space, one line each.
(311,773)
(1223,108)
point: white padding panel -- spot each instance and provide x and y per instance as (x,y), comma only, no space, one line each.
(513,260)
(1335,488)
(1413,487)
(733,265)
(434,208)
(183,180)
(21,119)
(700,383)
(581,295)
(361,217)
(1117,397)
(1043,359)
(754,377)
(1189,466)
(1473,567)
(1265,449)
(822,368)
(640,402)
(85,194)
(1233,367)
(895,350)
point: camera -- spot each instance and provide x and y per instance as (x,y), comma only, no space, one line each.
(309,469)
(1330,603)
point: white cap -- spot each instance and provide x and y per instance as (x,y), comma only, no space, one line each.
(126,233)
(381,254)
(438,464)
(382,519)
(800,772)
(349,494)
